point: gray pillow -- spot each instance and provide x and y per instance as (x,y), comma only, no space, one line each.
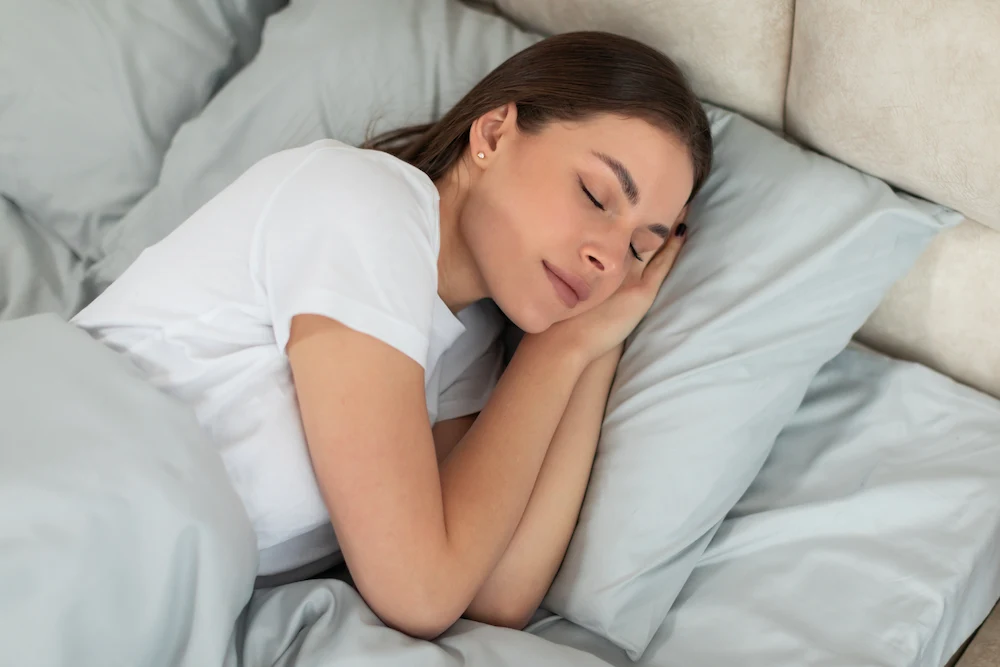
(326,68)
(789,253)
(92,92)
(122,541)
(869,537)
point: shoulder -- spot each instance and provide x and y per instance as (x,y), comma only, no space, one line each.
(339,170)
(351,235)
(330,188)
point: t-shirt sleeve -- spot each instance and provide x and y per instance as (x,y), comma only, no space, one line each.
(472,367)
(353,237)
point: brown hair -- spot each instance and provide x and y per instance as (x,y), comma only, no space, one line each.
(567,77)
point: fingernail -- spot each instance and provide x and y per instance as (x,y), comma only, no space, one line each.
(681,229)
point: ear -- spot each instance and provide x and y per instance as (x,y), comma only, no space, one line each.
(488,131)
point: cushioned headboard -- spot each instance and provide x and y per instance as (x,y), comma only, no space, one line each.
(907,90)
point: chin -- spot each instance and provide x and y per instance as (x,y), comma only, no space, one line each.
(528,319)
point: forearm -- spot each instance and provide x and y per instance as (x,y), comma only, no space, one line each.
(524,573)
(488,478)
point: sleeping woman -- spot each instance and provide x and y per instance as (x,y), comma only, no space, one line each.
(333,319)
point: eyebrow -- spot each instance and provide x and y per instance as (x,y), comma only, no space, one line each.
(629,187)
(660,230)
(624,176)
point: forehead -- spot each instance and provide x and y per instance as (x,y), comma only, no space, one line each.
(658,161)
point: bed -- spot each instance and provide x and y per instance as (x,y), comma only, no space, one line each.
(849,512)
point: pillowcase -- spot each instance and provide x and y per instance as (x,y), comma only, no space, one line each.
(788,254)
(326,69)
(871,536)
(91,93)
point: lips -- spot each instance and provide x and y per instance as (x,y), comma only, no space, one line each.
(571,289)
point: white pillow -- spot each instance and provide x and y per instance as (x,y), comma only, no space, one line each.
(326,68)
(789,253)
(92,92)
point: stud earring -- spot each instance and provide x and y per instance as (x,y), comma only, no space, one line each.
(481,155)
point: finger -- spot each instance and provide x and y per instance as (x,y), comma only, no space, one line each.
(661,263)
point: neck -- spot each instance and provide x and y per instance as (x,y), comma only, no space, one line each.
(459,281)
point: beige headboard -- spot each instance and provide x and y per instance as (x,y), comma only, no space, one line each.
(906,90)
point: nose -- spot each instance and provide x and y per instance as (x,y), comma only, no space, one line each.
(602,254)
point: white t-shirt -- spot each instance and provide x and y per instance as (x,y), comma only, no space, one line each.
(327,229)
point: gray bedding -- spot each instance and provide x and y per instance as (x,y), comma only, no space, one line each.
(122,542)
(871,536)
(325,623)
(38,272)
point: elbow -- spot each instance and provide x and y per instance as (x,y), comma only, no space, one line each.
(419,625)
(413,608)
(503,613)
(426,623)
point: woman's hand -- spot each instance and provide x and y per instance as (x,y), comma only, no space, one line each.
(600,329)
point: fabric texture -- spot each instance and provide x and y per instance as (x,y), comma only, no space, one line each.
(327,623)
(123,542)
(38,272)
(735,52)
(907,90)
(325,229)
(789,253)
(92,92)
(884,487)
(326,68)
(945,312)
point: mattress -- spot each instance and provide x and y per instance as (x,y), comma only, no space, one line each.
(870,537)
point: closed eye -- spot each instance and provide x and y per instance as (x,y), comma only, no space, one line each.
(591,197)
(593,200)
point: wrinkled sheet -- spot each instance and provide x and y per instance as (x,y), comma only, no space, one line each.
(323,623)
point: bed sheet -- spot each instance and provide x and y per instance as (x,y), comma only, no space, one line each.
(870,537)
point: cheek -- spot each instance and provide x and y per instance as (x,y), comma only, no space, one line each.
(516,212)
(494,230)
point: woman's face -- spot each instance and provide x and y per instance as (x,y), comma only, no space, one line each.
(554,220)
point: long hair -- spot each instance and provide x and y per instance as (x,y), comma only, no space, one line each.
(567,77)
